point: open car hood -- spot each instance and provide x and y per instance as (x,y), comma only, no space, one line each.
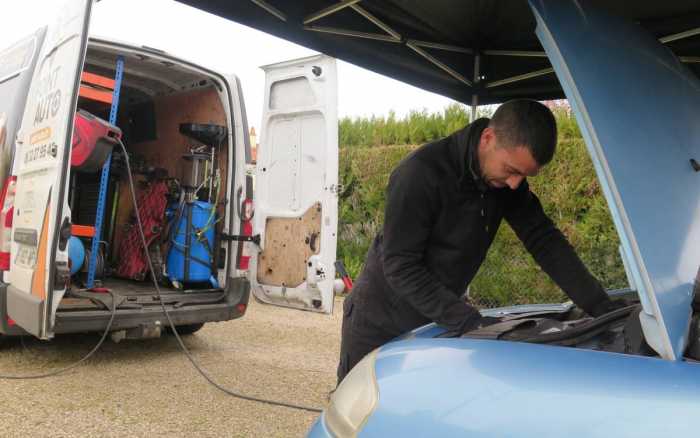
(638,107)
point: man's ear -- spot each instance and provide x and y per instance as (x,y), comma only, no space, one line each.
(488,136)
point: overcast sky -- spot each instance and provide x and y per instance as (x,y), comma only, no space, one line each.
(223,46)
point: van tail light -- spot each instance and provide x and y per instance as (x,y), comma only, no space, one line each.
(7,200)
(246,230)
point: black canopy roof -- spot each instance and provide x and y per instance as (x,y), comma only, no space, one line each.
(438,45)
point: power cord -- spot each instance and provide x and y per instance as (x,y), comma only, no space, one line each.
(184,349)
(75,364)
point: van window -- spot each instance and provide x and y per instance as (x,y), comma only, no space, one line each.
(291,93)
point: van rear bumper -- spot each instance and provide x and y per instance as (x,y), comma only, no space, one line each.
(5,327)
(79,321)
(96,320)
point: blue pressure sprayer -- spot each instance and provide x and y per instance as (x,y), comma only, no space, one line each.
(192,219)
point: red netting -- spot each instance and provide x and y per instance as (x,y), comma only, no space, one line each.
(151,203)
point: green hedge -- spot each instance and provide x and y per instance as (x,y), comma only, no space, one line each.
(567,188)
(417,127)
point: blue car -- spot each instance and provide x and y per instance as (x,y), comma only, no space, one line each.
(550,370)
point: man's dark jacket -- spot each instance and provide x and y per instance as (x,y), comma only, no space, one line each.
(439,222)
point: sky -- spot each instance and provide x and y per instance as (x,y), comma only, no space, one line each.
(223,46)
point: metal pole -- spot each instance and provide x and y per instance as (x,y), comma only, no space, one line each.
(352,33)
(440,46)
(534,74)
(475,97)
(271,9)
(329,10)
(113,222)
(439,64)
(104,179)
(377,22)
(679,36)
(517,53)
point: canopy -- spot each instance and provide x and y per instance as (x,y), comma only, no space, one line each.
(473,51)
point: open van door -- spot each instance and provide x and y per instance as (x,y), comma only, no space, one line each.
(42,151)
(296,199)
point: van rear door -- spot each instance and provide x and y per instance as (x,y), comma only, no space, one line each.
(295,201)
(42,154)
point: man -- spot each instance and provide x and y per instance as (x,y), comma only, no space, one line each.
(444,204)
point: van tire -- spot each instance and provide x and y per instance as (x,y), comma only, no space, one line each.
(187,329)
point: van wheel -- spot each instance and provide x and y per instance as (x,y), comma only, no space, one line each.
(187,329)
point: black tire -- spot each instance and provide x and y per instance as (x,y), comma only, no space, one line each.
(7,341)
(188,329)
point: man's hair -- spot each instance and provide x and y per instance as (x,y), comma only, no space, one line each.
(526,122)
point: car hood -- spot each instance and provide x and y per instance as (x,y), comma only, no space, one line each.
(637,106)
(471,387)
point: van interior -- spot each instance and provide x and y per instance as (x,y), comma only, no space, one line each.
(174,127)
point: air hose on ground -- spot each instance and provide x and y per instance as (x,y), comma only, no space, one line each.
(170,321)
(74,364)
(184,348)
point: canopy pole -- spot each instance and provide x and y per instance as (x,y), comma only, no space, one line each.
(679,36)
(475,97)
(534,74)
(271,9)
(329,10)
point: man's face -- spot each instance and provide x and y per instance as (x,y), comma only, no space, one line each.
(502,165)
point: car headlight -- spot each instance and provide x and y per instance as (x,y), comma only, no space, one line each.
(354,399)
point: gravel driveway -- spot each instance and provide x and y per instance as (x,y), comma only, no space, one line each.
(148,388)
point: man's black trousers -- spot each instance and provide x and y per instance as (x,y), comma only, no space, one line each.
(359,337)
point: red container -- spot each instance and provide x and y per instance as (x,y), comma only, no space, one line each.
(93,141)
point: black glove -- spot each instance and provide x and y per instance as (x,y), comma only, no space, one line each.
(471,324)
(608,305)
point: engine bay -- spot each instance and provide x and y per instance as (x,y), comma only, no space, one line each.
(619,331)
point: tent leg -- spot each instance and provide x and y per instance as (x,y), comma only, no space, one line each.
(475,97)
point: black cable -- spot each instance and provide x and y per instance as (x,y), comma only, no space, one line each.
(170,321)
(573,335)
(75,364)
(599,324)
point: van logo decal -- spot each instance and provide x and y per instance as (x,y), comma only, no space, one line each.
(40,135)
(49,101)
(48,106)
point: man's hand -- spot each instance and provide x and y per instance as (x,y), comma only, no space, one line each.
(472,324)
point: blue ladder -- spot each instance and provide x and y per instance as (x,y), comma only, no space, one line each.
(104,179)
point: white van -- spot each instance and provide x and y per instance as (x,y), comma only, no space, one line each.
(290,219)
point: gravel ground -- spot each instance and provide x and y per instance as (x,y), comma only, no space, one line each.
(148,388)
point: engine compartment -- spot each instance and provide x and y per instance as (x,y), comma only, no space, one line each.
(619,331)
